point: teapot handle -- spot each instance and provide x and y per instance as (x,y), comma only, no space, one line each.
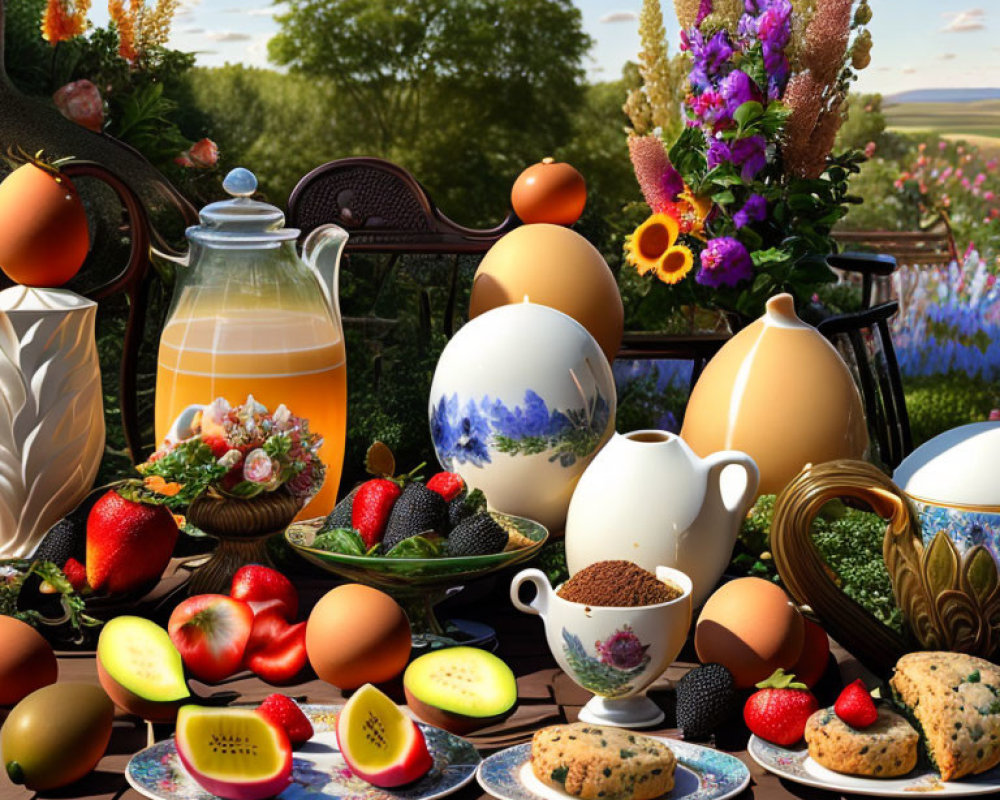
(807,576)
(738,501)
(540,604)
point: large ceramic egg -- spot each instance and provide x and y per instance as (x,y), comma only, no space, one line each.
(780,392)
(557,267)
(522,399)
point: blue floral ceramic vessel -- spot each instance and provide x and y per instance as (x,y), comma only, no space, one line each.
(521,401)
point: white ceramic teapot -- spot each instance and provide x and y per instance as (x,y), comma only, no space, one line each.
(648,498)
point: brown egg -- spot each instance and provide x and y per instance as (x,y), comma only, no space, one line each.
(357,635)
(556,267)
(27,661)
(550,191)
(781,393)
(750,626)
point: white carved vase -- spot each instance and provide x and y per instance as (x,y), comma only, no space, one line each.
(51,414)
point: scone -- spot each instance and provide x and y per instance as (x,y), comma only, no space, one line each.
(955,698)
(597,763)
(885,749)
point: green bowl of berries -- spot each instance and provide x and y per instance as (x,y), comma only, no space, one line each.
(415,540)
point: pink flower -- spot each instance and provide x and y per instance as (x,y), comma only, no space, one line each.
(202,154)
(942,146)
(988,194)
(258,467)
(995,415)
(869,149)
(80,102)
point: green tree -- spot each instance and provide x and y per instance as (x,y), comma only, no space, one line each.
(464,93)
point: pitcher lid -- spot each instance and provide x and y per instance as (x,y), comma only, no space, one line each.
(957,467)
(240,220)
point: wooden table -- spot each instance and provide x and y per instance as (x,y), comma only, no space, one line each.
(545,696)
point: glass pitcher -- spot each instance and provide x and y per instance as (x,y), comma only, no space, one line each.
(249,316)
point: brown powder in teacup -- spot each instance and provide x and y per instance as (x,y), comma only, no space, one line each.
(617,583)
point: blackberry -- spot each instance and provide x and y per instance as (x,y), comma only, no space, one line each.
(480,535)
(340,517)
(418,510)
(464,506)
(706,700)
(67,538)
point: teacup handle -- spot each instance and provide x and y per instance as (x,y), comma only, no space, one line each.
(543,591)
(807,576)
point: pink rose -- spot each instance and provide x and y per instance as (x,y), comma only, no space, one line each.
(80,102)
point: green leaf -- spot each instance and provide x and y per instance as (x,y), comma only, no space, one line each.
(417,547)
(724,198)
(747,112)
(772,255)
(346,541)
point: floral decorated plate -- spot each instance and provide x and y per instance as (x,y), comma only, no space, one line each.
(795,765)
(702,774)
(318,770)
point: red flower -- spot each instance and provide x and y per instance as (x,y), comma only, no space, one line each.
(80,101)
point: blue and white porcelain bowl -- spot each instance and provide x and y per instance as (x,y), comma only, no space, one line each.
(522,399)
(953,485)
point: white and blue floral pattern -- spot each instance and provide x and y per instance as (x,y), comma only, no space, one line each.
(469,431)
(702,774)
(966,528)
(318,770)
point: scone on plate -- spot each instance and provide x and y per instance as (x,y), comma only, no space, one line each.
(885,749)
(955,698)
(598,763)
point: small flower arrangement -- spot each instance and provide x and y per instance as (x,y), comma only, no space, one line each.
(744,198)
(236,451)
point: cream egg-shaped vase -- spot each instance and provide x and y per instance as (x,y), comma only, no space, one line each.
(780,392)
(556,267)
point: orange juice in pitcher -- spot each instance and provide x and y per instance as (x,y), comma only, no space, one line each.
(249,317)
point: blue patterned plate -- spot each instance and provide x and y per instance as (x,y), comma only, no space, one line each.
(795,765)
(702,774)
(318,770)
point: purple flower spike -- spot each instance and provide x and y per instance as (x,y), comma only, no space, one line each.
(724,261)
(704,9)
(754,210)
(708,57)
(751,154)
(738,88)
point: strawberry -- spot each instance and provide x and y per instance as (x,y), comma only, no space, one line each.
(372,504)
(855,705)
(76,574)
(778,712)
(256,584)
(285,713)
(447,484)
(282,657)
(129,543)
(217,444)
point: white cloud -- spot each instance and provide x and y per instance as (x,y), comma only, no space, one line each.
(947,56)
(228,36)
(964,21)
(620,16)
(269,11)
(909,70)
(191,31)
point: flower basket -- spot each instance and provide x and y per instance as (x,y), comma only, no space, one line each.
(242,527)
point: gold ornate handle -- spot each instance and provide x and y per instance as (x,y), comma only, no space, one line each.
(809,579)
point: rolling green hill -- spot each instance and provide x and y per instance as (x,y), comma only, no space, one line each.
(979,122)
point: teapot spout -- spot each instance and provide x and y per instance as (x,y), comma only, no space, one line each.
(322,250)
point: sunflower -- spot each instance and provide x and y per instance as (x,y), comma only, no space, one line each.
(653,247)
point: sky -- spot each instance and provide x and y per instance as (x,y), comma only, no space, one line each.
(917,43)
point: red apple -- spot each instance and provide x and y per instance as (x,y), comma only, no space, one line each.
(815,654)
(276,651)
(211,632)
